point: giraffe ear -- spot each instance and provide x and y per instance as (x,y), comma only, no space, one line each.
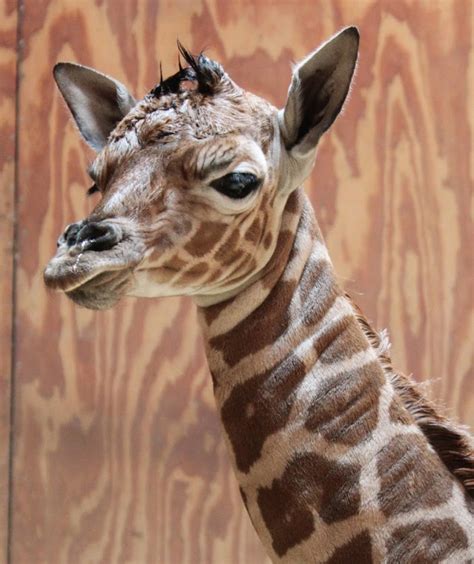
(97,102)
(318,88)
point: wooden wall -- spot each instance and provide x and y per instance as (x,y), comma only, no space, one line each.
(8,59)
(116,452)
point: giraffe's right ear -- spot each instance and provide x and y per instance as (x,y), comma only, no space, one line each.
(96,101)
(318,88)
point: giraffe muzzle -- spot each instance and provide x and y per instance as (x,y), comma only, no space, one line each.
(88,249)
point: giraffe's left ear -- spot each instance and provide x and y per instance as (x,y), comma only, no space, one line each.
(317,92)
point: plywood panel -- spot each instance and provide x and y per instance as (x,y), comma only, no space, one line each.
(8,44)
(119,455)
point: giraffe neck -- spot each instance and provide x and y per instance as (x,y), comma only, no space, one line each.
(313,424)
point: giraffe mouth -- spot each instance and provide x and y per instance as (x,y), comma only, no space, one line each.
(103,291)
(93,276)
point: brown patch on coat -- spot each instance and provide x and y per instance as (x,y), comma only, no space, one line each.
(232,256)
(426,542)
(293,204)
(206,238)
(452,444)
(229,249)
(211,313)
(260,407)
(320,290)
(341,341)
(215,275)
(358,549)
(254,232)
(267,241)
(309,483)
(411,476)
(196,271)
(279,260)
(345,408)
(174,264)
(264,326)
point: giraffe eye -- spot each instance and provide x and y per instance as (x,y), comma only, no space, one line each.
(93,189)
(236,185)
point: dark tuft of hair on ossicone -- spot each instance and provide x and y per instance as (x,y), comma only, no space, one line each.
(206,72)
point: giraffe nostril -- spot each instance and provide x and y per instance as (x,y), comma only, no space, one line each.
(70,234)
(98,236)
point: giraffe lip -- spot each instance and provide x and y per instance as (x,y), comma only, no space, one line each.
(69,270)
(103,290)
(65,279)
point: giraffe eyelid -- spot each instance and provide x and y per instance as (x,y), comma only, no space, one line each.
(211,170)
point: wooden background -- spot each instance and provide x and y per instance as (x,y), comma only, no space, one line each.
(111,450)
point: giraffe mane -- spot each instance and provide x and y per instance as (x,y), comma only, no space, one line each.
(450,441)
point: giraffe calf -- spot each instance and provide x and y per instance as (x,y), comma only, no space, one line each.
(339,458)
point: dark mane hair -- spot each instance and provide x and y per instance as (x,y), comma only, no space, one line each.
(207,73)
(452,444)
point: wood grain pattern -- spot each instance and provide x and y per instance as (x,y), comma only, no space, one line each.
(8,54)
(119,453)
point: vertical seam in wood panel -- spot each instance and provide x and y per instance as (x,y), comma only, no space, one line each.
(19,53)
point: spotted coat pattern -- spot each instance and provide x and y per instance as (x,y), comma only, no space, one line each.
(331,464)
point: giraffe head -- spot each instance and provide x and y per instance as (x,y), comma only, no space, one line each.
(193,178)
